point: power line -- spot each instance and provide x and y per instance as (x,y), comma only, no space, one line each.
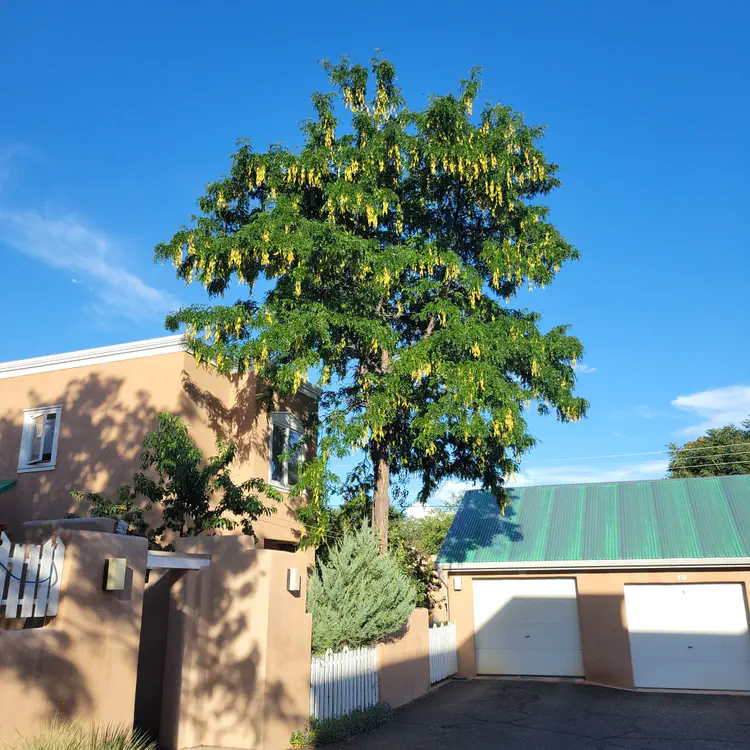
(643,453)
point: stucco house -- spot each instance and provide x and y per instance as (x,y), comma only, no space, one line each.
(77,421)
(633,584)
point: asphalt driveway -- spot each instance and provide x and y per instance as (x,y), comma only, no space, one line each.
(562,716)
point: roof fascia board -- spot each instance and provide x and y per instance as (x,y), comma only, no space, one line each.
(97,356)
(546,565)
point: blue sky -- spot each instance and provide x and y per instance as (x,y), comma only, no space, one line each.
(114,115)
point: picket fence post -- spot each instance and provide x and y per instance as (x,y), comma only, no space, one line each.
(343,681)
(30,578)
(442,644)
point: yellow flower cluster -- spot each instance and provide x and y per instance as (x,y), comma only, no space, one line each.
(424,371)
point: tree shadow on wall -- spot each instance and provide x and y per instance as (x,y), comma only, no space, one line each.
(216,658)
(102,426)
(238,422)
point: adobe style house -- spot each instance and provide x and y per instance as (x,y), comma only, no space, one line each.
(77,421)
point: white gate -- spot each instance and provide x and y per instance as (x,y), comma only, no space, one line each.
(30,578)
(442,651)
(343,681)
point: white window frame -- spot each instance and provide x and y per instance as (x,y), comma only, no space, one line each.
(25,462)
(283,420)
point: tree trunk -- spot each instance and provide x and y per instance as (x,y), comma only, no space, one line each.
(381,497)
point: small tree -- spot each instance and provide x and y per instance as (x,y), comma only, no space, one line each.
(358,597)
(194,495)
(722,451)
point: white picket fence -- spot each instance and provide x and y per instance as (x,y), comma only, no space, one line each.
(30,577)
(442,651)
(343,681)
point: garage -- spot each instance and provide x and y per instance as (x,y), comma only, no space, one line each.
(636,585)
(690,636)
(527,626)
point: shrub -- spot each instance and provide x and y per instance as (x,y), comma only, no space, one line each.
(358,596)
(330,731)
(59,735)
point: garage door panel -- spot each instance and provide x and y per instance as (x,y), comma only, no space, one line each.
(531,662)
(691,647)
(527,626)
(529,635)
(689,636)
(679,674)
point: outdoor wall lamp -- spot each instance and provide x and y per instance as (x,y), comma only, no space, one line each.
(293,580)
(114,573)
(457,583)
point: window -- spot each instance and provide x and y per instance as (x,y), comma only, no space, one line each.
(287,449)
(41,429)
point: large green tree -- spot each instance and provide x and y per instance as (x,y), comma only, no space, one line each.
(394,240)
(721,451)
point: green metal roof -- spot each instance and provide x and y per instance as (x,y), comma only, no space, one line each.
(6,484)
(666,519)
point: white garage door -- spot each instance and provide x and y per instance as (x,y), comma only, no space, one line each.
(691,636)
(527,627)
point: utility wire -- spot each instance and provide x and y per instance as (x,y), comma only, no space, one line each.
(643,453)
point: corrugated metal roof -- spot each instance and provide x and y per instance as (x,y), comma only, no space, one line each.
(666,519)
(7,484)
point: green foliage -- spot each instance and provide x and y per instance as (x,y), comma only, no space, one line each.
(418,567)
(426,533)
(394,240)
(722,451)
(60,735)
(357,596)
(193,495)
(125,507)
(415,541)
(330,731)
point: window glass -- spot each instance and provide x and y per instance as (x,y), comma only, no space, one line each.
(49,436)
(295,456)
(35,450)
(278,447)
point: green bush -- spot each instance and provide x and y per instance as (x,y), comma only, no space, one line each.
(330,731)
(59,735)
(358,596)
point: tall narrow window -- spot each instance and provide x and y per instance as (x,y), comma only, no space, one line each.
(41,428)
(287,449)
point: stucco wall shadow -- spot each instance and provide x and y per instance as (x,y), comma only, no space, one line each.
(237,661)
(83,663)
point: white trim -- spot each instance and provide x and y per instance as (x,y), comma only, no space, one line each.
(311,391)
(116,353)
(24,465)
(87,357)
(287,419)
(176,561)
(288,422)
(507,567)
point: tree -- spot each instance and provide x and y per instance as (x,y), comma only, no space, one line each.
(193,495)
(427,533)
(393,243)
(358,596)
(722,451)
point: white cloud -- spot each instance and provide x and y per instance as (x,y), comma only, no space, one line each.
(583,369)
(450,489)
(417,510)
(568,474)
(715,408)
(66,243)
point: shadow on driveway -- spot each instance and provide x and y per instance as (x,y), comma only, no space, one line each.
(562,716)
